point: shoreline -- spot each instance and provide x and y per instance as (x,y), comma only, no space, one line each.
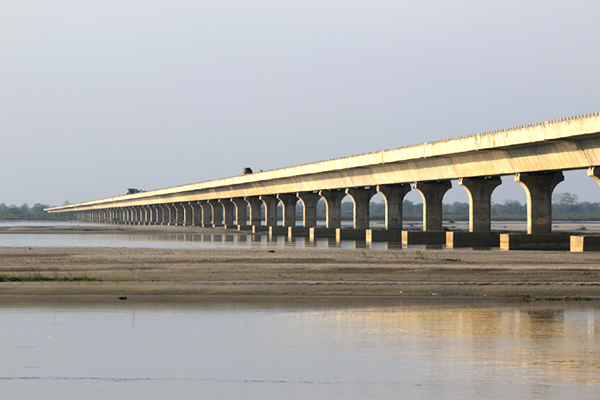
(288,272)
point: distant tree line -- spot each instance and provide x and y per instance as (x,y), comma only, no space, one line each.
(565,206)
(36,212)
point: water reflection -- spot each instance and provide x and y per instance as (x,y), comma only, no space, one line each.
(299,349)
(119,237)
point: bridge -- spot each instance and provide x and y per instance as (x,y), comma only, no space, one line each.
(535,154)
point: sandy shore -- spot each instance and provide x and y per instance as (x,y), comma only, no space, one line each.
(296,272)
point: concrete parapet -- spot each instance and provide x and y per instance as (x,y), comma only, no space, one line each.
(349,234)
(230,227)
(298,231)
(315,232)
(585,243)
(244,227)
(259,228)
(469,239)
(423,237)
(383,235)
(521,241)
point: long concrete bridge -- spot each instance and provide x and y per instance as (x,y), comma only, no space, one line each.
(535,154)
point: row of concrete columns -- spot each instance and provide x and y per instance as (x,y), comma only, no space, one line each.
(219,212)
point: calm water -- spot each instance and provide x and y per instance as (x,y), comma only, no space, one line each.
(299,350)
(314,349)
(219,239)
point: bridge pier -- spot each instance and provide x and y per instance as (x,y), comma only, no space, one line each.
(179,214)
(151,214)
(309,204)
(333,200)
(255,211)
(155,214)
(142,215)
(216,212)
(196,214)
(206,213)
(432,193)
(393,195)
(170,214)
(241,212)
(539,187)
(288,202)
(480,201)
(361,198)
(162,214)
(587,242)
(186,213)
(270,203)
(479,190)
(227,206)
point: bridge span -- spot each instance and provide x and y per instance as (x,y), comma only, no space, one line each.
(535,154)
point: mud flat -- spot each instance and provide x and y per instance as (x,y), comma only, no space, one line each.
(302,272)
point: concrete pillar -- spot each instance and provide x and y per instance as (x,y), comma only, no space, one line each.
(271,203)
(188,213)
(147,214)
(196,213)
(144,215)
(134,215)
(393,195)
(480,201)
(309,202)
(255,210)
(227,211)
(241,211)
(432,193)
(333,201)
(178,213)
(288,202)
(217,212)
(539,187)
(168,215)
(161,213)
(594,173)
(207,216)
(141,215)
(155,214)
(361,198)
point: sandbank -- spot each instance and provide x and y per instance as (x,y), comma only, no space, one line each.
(294,272)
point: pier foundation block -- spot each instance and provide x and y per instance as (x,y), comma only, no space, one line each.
(471,239)
(298,231)
(585,243)
(423,237)
(349,234)
(315,233)
(383,235)
(520,241)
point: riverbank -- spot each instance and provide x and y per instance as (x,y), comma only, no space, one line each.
(307,272)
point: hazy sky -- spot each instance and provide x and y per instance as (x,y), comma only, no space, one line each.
(99,96)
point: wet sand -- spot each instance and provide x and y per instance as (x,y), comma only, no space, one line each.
(293,272)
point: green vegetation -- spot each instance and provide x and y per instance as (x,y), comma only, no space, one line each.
(12,212)
(37,276)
